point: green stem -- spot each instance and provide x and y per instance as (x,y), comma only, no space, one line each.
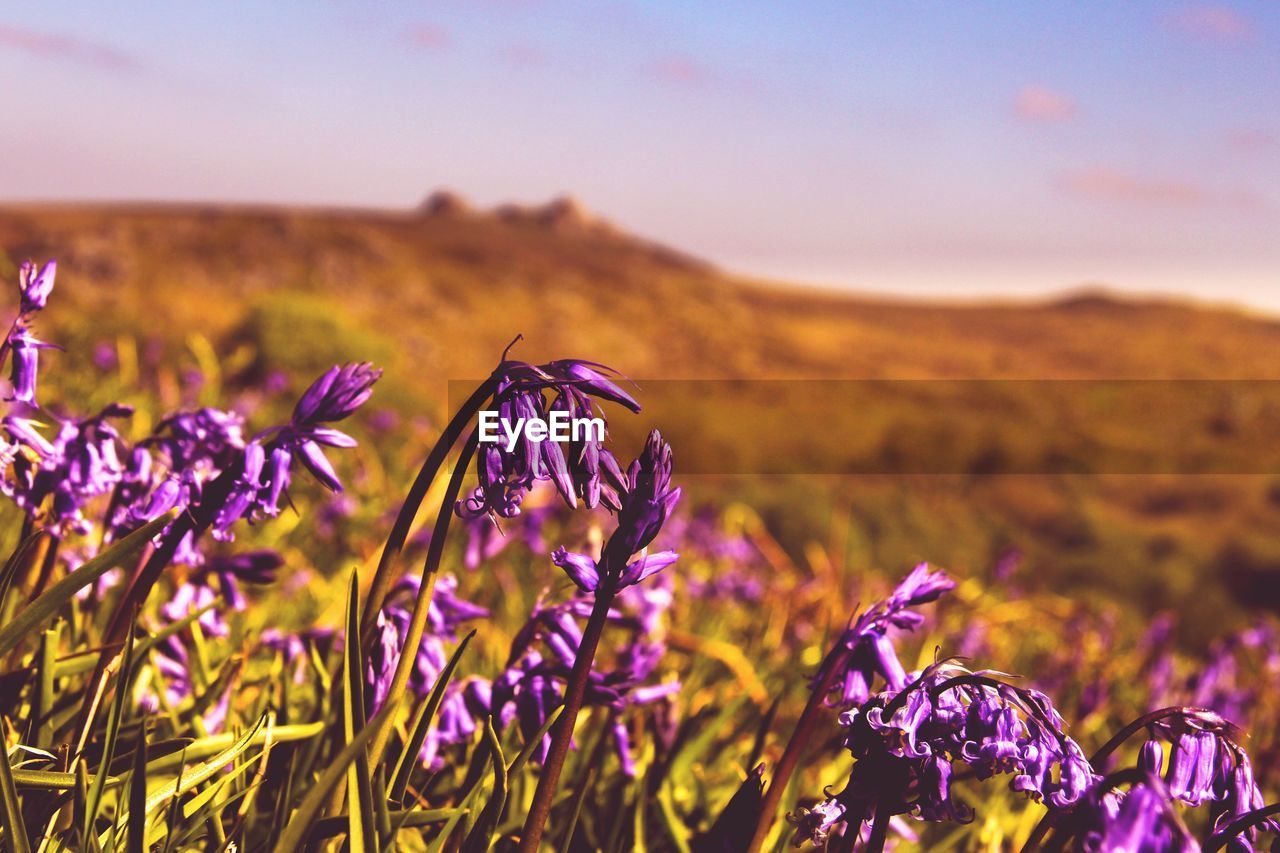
(422,604)
(879,831)
(791,756)
(384,574)
(562,736)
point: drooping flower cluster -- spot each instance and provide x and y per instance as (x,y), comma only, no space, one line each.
(543,654)
(447,613)
(583,469)
(907,743)
(60,477)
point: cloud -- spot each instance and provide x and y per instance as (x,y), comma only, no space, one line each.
(1111,185)
(1253,140)
(679,70)
(429,37)
(66,48)
(522,54)
(1042,105)
(1215,24)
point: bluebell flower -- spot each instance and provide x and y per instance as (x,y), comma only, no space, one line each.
(586,471)
(35,284)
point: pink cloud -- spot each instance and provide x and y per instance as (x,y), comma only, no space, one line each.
(64,47)
(429,37)
(1253,140)
(1111,185)
(522,54)
(1043,105)
(679,70)
(1217,24)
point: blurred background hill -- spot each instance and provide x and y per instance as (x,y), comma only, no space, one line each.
(435,294)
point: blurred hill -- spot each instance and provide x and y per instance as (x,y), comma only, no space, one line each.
(452,286)
(437,293)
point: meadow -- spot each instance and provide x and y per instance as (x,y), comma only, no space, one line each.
(1034,618)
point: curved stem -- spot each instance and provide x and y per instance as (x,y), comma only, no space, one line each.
(195,522)
(1136,726)
(422,604)
(791,756)
(1241,824)
(879,831)
(562,735)
(383,575)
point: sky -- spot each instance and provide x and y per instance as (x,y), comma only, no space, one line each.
(926,149)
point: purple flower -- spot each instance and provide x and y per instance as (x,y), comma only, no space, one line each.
(60,477)
(24,364)
(1135,821)
(336,394)
(871,652)
(445,617)
(36,285)
(645,502)
(542,656)
(506,473)
(585,572)
(907,740)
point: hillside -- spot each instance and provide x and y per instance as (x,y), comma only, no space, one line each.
(436,294)
(456,285)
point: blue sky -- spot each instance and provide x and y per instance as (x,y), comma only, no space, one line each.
(940,149)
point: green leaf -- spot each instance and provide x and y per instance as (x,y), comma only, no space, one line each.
(464,809)
(202,799)
(114,718)
(401,819)
(27,620)
(42,715)
(362,834)
(426,715)
(14,829)
(214,744)
(579,797)
(15,562)
(531,747)
(295,833)
(697,746)
(136,841)
(481,835)
(48,780)
(189,779)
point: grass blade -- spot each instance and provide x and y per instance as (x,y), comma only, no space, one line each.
(409,755)
(14,829)
(362,833)
(481,835)
(42,714)
(136,841)
(532,746)
(114,718)
(295,833)
(212,745)
(29,618)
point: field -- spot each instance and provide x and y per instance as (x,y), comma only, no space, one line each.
(1096,476)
